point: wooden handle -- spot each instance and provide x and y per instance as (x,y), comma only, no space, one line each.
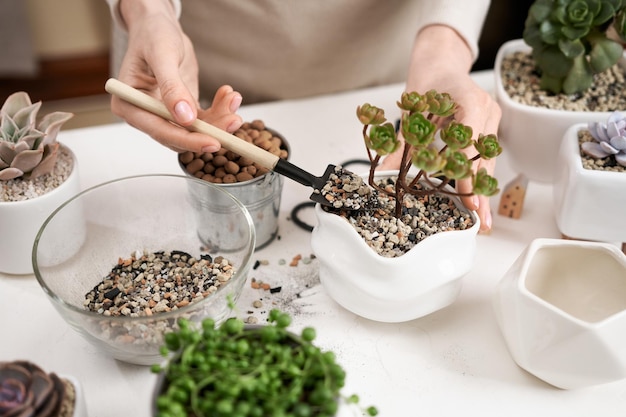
(228,141)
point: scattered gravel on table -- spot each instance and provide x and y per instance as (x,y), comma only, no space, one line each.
(149,283)
(521,82)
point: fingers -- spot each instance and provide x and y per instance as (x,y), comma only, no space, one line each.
(164,132)
(484,213)
(478,203)
(222,112)
(175,93)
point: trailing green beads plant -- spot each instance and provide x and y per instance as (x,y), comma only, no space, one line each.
(419,127)
(236,370)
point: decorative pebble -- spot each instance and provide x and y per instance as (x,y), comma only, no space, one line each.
(392,237)
(346,190)
(19,189)
(228,167)
(295,260)
(599,164)
(148,283)
(607,94)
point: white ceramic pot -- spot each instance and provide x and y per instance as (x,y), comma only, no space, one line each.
(80,404)
(561,308)
(20,221)
(532,135)
(589,204)
(425,279)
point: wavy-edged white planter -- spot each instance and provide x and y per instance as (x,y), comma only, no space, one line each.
(532,135)
(561,308)
(589,204)
(425,279)
(20,222)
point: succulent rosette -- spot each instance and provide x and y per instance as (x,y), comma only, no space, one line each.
(440,104)
(26,390)
(456,135)
(28,148)
(417,129)
(488,146)
(484,184)
(570,42)
(610,139)
(382,139)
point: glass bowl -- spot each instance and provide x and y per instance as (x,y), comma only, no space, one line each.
(113,260)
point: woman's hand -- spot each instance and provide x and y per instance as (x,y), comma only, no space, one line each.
(442,61)
(160,61)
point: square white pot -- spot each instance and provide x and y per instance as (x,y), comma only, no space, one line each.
(20,222)
(532,135)
(589,204)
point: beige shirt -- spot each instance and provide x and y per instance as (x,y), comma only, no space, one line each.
(279,49)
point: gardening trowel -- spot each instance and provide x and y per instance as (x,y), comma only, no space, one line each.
(246,149)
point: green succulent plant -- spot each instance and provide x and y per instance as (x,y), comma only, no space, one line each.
(28,147)
(572,40)
(420,129)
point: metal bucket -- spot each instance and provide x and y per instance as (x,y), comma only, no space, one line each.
(261,196)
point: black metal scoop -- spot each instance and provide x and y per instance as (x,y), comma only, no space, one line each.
(344,190)
(325,187)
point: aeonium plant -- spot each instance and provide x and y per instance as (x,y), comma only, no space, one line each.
(426,118)
(572,40)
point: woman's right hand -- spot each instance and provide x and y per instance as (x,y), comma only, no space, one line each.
(160,61)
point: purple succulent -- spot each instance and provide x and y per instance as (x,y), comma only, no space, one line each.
(610,139)
(26,390)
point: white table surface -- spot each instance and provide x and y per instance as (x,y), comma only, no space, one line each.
(453,362)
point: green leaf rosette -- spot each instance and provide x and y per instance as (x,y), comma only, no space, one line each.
(457,166)
(370,115)
(456,135)
(485,184)
(417,130)
(428,159)
(412,102)
(488,146)
(382,139)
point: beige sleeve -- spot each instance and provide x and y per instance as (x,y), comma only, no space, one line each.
(117,17)
(465,16)
(119,36)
